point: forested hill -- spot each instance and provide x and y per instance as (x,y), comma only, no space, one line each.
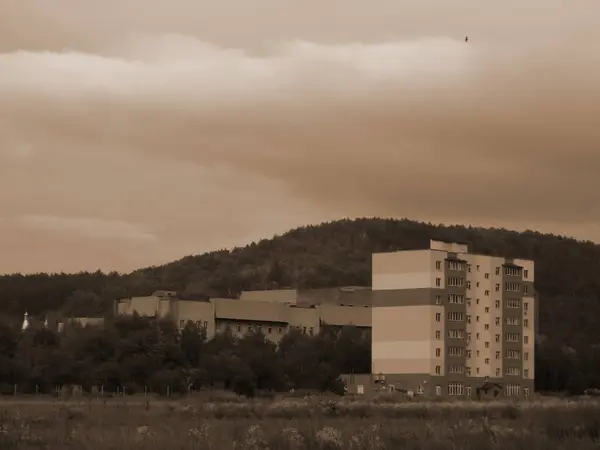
(332,254)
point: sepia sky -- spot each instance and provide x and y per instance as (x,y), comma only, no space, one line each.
(135,132)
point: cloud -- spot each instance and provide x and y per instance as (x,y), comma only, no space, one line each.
(213,138)
(89,227)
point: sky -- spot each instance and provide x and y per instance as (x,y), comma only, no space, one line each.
(133,133)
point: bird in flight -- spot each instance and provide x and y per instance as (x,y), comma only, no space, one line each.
(466,38)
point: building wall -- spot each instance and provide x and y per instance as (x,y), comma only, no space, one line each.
(404,340)
(305,318)
(339,315)
(412,269)
(201,313)
(484,309)
(274,296)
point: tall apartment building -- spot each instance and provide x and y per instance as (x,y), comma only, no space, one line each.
(448,322)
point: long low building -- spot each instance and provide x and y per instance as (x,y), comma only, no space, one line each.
(272,312)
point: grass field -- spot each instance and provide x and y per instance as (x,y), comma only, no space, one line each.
(228,422)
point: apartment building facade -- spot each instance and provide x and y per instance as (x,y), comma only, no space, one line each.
(448,322)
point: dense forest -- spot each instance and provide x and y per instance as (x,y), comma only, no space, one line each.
(137,354)
(339,253)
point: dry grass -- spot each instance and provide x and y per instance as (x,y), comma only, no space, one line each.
(223,422)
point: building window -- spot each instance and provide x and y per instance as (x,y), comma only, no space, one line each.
(239,328)
(468,285)
(468,318)
(525,339)
(497,270)
(477,302)
(456,281)
(513,371)
(486,326)
(438,282)
(497,304)
(438,334)
(456,265)
(182,324)
(526,273)
(487,360)
(477,267)
(456,389)
(438,317)
(420,390)
(513,354)
(526,373)
(456,334)
(468,371)
(513,303)
(512,337)
(526,392)
(280,330)
(438,299)
(513,320)
(487,309)
(512,390)
(468,353)
(438,370)
(497,372)
(526,306)
(512,271)
(510,286)
(486,276)
(438,390)
(477,284)
(526,356)
(456,368)
(455,351)
(477,336)
(497,338)
(469,267)
(477,370)
(477,319)
(497,355)
(454,316)
(438,265)
(456,299)
(438,352)
(269,330)
(526,323)
(486,293)
(487,344)
(497,287)
(525,289)
(469,337)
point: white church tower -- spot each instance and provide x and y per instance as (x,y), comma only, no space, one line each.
(25,322)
